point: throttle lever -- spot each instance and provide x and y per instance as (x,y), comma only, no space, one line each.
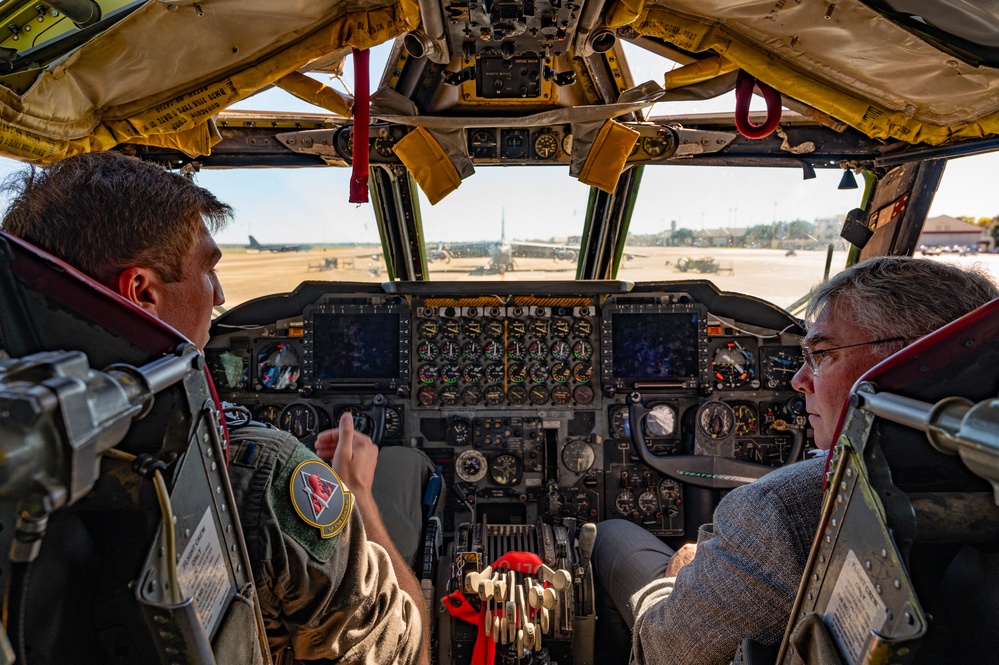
(377,415)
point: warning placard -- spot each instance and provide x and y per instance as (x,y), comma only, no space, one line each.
(203,573)
(855,609)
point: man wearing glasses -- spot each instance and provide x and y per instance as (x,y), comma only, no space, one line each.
(688,609)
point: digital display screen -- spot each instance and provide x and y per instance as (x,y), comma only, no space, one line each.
(355,346)
(655,346)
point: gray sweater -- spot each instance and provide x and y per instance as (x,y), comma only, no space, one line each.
(744,578)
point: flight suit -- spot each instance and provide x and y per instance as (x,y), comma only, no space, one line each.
(326,592)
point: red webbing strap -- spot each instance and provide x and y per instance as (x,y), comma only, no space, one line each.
(743,94)
(362,115)
(218,406)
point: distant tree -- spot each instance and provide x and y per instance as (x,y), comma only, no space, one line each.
(683,236)
(995,232)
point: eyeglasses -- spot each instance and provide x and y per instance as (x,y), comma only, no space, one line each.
(813,358)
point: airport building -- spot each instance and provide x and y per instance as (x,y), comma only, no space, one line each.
(944,231)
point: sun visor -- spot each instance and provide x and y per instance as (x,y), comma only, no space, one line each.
(171,66)
(603,152)
(429,163)
(844,59)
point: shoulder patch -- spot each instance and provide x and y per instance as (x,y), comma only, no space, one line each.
(319,498)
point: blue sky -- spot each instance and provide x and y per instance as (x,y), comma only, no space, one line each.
(310,205)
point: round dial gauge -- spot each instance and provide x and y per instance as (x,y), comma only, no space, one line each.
(427,350)
(546,145)
(301,420)
(450,350)
(393,421)
(538,373)
(278,367)
(669,491)
(620,423)
(561,372)
(450,373)
(715,419)
(494,328)
(494,350)
(362,423)
(428,373)
(582,328)
(471,466)
(506,470)
(582,372)
(538,394)
(516,350)
(561,350)
(561,328)
(578,456)
(582,350)
(583,395)
(653,147)
(269,414)
(230,370)
(561,394)
(732,365)
(567,144)
(516,328)
(428,328)
(383,146)
(458,432)
(426,395)
(539,327)
(625,503)
(493,395)
(450,395)
(472,373)
(538,350)
(745,419)
(660,421)
(648,502)
(517,394)
(450,328)
(516,372)
(471,395)
(471,327)
(471,350)
(780,366)
(495,373)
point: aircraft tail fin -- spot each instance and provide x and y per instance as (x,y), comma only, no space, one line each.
(253,243)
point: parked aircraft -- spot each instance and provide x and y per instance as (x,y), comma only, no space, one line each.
(254,244)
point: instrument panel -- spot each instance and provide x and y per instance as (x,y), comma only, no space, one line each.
(526,397)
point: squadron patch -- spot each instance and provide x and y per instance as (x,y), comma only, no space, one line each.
(319,498)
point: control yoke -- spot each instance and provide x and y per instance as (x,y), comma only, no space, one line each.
(698,470)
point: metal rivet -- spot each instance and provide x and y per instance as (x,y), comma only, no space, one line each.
(877,587)
(822,558)
(897,583)
(867,564)
(884,553)
(908,618)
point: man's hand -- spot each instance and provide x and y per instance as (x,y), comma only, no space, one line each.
(354,455)
(681,558)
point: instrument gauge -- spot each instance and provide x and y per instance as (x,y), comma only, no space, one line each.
(539,327)
(301,420)
(269,414)
(625,503)
(450,395)
(458,432)
(582,372)
(345,142)
(506,470)
(450,350)
(732,365)
(362,423)
(278,367)
(669,491)
(715,419)
(515,143)
(582,328)
(471,350)
(538,350)
(471,395)
(494,350)
(567,144)
(517,394)
(516,328)
(428,328)
(546,145)
(471,466)
(495,373)
(494,328)
(450,373)
(450,328)
(393,421)
(561,328)
(516,372)
(660,421)
(383,146)
(427,350)
(515,350)
(472,373)
(482,143)
(538,373)
(561,372)
(578,456)
(620,423)
(538,395)
(746,423)
(561,394)
(653,146)
(230,370)
(648,502)
(780,366)
(471,327)
(426,395)
(428,373)
(493,395)
(582,350)
(583,395)
(561,350)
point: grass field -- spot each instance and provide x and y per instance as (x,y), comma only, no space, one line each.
(765,273)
